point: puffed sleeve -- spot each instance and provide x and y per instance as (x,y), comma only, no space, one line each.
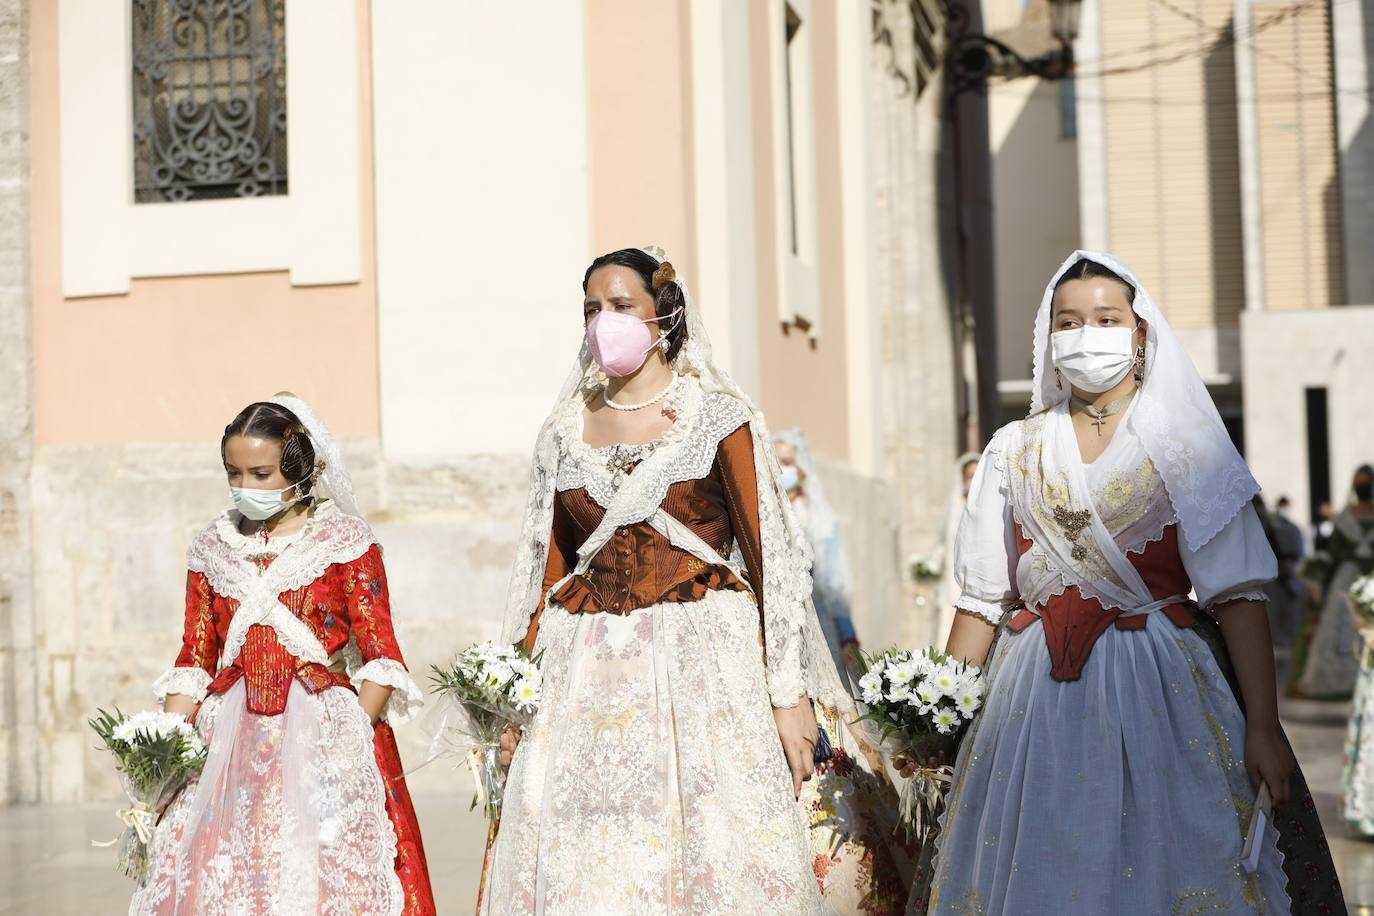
(985,554)
(562,559)
(369,616)
(1237,563)
(739,479)
(200,645)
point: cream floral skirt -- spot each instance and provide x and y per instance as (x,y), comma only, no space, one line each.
(652,779)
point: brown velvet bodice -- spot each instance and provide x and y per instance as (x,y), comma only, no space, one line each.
(1073,622)
(638,567)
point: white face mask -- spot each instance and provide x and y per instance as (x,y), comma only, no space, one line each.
(790,478)
(1093,359)
(260,505)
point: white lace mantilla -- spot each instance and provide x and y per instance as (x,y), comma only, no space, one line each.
(332,537)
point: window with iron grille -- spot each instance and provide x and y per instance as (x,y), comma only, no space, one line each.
(209,99)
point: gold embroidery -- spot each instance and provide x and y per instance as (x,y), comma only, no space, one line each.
(1196,900)
(970,903)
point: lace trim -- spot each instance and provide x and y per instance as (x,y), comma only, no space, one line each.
(988,610)
(334,538)
(185,681)
(406,695)
(1242,595)
(685,452)
(227,525)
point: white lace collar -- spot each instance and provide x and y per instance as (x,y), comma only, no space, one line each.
(227,526)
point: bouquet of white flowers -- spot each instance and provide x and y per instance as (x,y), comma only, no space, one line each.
(926,568)
(1362,607)
(921,702)
(487,687)
(156,753)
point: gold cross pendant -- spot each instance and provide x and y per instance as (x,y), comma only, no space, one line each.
(1099,422)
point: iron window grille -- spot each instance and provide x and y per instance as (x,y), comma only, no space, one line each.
(209,99)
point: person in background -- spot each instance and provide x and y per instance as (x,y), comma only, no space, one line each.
(862,865)
(1326,524)
(1326,654)
(831,581)
(948,592)
(1287,594)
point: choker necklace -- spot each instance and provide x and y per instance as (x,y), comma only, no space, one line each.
(1100,414)
(606,397)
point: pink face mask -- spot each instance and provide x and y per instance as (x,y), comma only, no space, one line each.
(620,343)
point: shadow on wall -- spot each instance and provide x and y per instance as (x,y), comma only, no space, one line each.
(1035,181)
(1223,173)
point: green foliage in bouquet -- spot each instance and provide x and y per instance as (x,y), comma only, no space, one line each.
(155,753)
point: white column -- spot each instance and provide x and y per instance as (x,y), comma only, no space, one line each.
(482,220)
(862,320)
(1093,213)
(727,262)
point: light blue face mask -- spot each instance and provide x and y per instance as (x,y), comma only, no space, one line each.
(790,478)
(260,505)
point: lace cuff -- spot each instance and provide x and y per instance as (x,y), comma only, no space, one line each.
(988,610)
(189,682)
(1242,595)
(786,680)
(406,696)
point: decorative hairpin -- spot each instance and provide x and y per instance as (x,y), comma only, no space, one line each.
(664,275)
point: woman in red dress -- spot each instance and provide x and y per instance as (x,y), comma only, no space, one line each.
(291,670)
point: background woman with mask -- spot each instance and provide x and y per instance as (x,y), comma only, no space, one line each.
(301,806)
(862,863)
(1112,769)
(1349,555)
(1326,655)
(663,578)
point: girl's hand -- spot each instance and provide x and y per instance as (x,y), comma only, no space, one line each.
(510,740)
(798,732)
(180,704)
(1269,758)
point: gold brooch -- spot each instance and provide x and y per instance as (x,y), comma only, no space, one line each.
(1073,524)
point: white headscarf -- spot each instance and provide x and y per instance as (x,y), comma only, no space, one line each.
(1207,480)
(786,590)
(333,482)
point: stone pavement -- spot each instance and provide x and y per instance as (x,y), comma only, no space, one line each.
(48,867)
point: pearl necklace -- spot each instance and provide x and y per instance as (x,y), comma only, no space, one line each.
(606,397)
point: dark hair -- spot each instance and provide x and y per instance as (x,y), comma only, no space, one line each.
(1091,270)
(272,421)
(1364,470)
(668,297)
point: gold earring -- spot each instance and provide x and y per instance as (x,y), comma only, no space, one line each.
(1140,364)
(1058,379)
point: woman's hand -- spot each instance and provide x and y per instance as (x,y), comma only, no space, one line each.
(510,740)
(798,732)
(1269,758)
(373,698)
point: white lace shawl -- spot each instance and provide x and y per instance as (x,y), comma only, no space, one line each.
(797,658)
(222,554)
(1030,469)
(1207,480)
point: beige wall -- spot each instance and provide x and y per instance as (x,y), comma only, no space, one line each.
(175,359)
(1035,199)
(1173,166)
(1298,153)
(1285,353)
